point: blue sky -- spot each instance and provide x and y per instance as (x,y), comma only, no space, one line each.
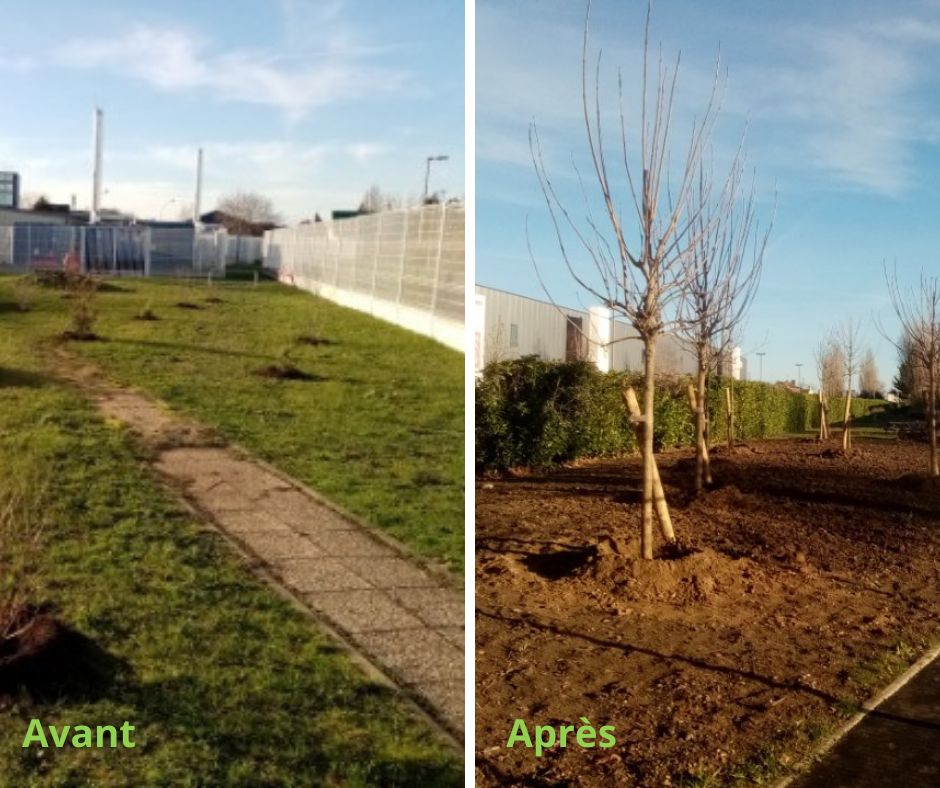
(841,102)
(308,102)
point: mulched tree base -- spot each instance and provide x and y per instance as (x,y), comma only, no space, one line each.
(309,339)
(46,659)
(81,336)
(284,372)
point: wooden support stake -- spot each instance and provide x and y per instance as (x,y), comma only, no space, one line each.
(847,422)
(659,496)
(729,400)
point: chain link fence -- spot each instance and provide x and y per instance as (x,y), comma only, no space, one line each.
(136,250)
(404,266)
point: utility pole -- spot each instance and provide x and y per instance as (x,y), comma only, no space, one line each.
(197,205)
(427,174)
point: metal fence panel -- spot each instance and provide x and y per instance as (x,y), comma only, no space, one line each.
(404,266)
(6,247)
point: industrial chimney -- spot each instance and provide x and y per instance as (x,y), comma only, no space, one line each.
(99,147)
(197,205)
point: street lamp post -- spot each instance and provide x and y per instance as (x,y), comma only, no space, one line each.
(799,375)
(427,173)
(760,355)
(164,206)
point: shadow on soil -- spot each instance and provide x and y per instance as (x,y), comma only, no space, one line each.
(696,662)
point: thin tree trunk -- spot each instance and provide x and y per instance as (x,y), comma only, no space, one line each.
(932,421)
(649,463)
(847,422)
(697,400)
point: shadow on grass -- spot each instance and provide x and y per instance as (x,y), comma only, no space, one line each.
(178,347)
(9,307)
(59,664)
(21,378)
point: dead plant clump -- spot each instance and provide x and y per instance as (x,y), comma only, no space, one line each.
(24,291)
(313,340)
(286,368)
(20,537)
(147,313)
(212,294)
(84,312)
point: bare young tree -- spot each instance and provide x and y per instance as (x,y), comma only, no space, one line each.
(910,376)
(376,201)
(246,211)
(847,337)
(918,310)
(636,269)
(868,384)
(722,273)
(830,366)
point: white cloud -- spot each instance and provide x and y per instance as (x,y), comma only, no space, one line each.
(173,59)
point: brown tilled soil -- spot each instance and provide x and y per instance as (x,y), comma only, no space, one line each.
(803,581)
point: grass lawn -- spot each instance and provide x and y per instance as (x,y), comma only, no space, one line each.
(224,681)
(380,430)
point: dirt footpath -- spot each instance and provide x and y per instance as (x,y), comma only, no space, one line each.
(805,581)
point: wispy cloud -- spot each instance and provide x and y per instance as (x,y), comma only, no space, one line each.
(849,103)
(833,105)
(174,59)
(265,153)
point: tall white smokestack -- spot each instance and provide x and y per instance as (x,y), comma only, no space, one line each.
(197,205)
(99,148)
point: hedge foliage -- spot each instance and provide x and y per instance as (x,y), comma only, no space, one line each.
(536,413)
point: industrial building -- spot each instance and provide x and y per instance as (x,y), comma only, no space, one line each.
(508,326)
(9,190)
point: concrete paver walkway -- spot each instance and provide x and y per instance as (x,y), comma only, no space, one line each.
(406,620)
(896,744)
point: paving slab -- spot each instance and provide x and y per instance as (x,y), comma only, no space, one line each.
(418,656)
(246,521)
(352,544)
(896,744)
(391,572)
(363,611)
(435,606)
(305,575)
(279,546)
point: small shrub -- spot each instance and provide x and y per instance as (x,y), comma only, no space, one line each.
(286,368)
(24,291)
(83,309)
(212,292)
(147,312)
(21,524)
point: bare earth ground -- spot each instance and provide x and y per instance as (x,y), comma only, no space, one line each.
(809,578)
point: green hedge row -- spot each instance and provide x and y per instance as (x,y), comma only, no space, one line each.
(536,413)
